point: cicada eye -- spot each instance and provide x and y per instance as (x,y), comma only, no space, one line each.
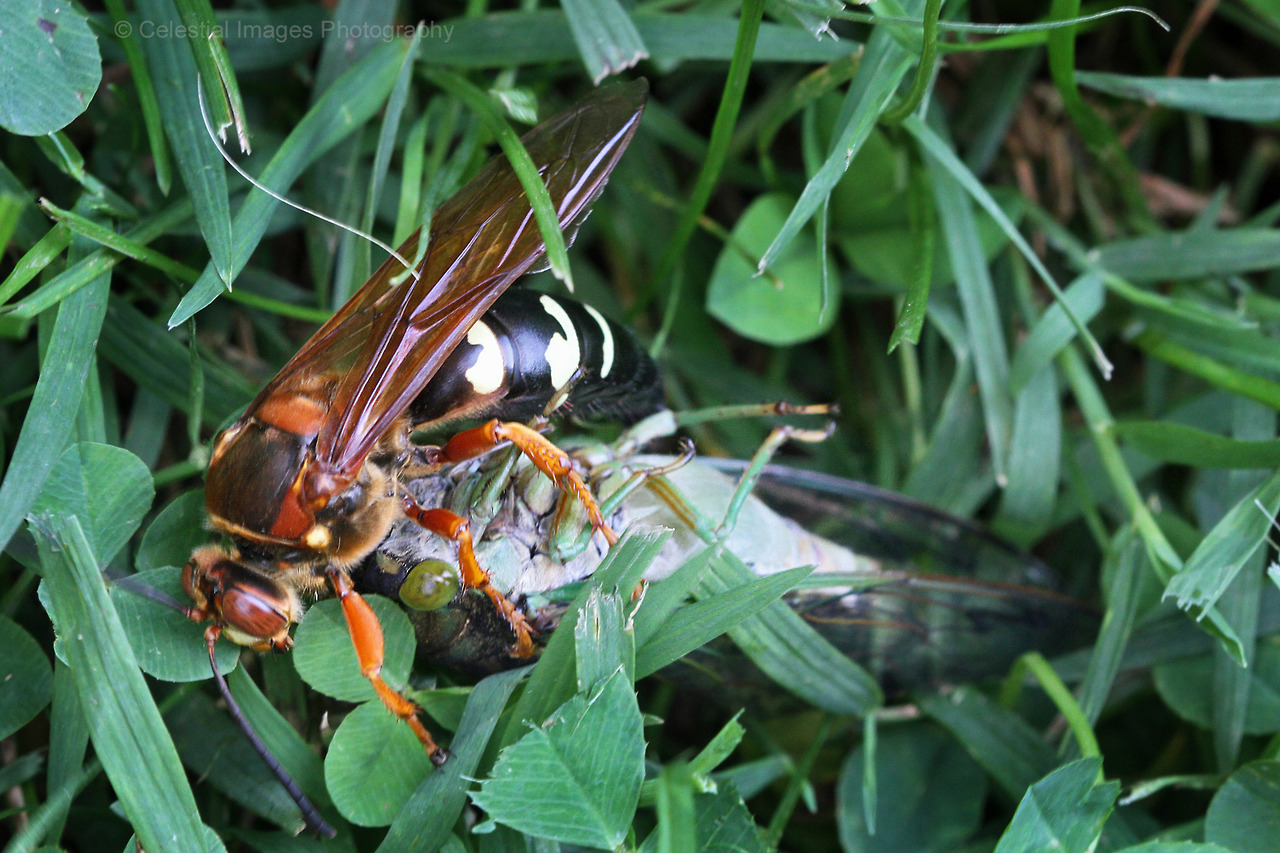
(430,585)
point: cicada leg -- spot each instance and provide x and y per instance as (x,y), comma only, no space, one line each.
(366,637)
(776,438)
(454,527)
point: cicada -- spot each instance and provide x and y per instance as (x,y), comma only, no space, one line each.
(920,598)
(308,481)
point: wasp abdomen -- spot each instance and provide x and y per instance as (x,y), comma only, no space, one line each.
(527,347)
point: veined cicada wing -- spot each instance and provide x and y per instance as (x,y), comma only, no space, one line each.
(935,599)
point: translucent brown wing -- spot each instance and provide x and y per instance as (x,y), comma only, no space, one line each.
(391,337)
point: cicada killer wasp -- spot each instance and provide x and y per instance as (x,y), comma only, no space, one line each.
(307,482)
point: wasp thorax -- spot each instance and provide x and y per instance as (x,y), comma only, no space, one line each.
(358,518)
(251,481)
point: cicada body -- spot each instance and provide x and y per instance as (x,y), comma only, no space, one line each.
(916,596)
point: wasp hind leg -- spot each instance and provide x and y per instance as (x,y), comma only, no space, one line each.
(542,452)
(366,637)
(454,527)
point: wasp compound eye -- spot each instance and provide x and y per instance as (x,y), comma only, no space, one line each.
(430,585)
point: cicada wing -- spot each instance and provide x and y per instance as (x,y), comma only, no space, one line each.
(949,601)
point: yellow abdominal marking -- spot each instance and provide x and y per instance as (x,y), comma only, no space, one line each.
(606,354)
(485,376)
(563,354)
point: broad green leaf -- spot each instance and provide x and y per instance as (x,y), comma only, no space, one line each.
(373,765)
(51,67)
(1064,811)
(1187,687)
(884,251)
(26,679)
(1245,811)
(783,306)
(586,762)
(107,488)
(176,531)
(869,198)
(930,794)
(427,816)
(326,659)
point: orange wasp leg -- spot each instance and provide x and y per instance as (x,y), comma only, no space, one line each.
(454,527)
(548,458)
(366,637)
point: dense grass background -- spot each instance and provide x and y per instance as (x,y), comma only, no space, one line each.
(1010,161)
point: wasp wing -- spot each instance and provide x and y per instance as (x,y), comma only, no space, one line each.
(391,337)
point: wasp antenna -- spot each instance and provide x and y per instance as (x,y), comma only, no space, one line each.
(310,814)
(145,590)
(213,137)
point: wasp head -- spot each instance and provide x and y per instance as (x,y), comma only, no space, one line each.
(251,608)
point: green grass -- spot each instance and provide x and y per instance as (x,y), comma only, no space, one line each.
(1038,275)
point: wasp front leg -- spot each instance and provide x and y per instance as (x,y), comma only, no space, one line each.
(457,529)
(542,452)
(366,637)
